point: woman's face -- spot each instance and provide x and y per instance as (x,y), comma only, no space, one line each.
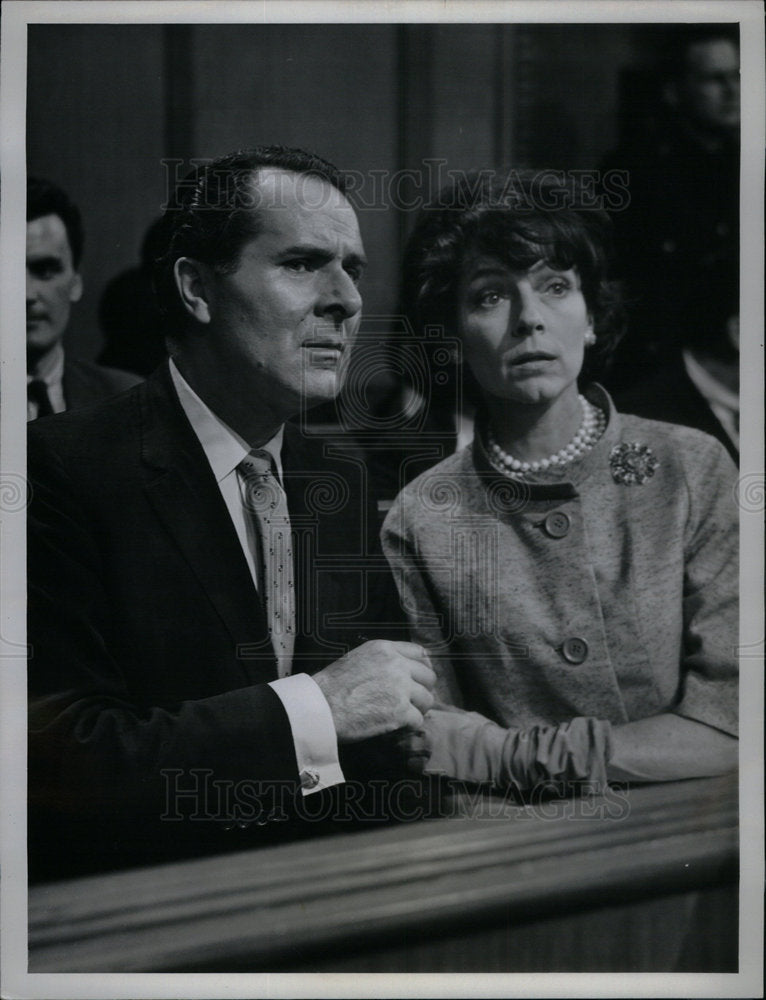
(523,332)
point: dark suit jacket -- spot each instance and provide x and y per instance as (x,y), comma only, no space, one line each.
(671,396)
(150,660)
(86,383)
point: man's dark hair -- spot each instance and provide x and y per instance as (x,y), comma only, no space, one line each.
(672,61)
(519,218)
(213,213)
(46,198)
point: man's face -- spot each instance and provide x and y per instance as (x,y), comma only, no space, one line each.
(282,324)
(53,284)
(710,88)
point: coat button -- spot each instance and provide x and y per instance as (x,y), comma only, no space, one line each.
(575,650)
(556,524)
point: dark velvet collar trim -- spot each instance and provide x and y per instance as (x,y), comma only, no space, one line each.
(550,485)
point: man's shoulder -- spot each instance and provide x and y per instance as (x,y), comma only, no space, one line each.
(102,433)
(97,379)
(86,430)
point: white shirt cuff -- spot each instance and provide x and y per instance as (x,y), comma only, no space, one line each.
(314,737)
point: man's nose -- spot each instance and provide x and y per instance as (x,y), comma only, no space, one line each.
(33,289)
(528,318)
(339,298)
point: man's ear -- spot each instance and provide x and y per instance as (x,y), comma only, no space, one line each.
(75,288)
(190,277)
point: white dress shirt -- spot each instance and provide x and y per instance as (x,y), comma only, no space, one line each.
(314,737)
(49,369)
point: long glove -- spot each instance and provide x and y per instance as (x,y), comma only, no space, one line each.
(467,746)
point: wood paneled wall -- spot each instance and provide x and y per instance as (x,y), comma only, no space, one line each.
(107,103)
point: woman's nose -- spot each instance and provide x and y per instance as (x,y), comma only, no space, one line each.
(529,317)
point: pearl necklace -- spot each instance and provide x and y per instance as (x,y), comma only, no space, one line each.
(591,429)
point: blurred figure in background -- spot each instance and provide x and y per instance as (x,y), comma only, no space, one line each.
(678,240)
(698,384)
(129,316)
(56,382)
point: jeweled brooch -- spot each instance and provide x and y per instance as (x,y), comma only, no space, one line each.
(632,463)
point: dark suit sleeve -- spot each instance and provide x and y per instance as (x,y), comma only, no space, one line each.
(98,754)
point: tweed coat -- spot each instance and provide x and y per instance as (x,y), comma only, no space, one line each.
(595,596)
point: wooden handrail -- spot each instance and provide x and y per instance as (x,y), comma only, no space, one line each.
(252,908)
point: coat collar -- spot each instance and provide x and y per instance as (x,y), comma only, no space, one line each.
(182,489)
(557,485)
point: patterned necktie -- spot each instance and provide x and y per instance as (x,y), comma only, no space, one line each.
(265,501)
(37,393)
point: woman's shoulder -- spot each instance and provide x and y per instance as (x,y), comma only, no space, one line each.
(448,474)
(686,450)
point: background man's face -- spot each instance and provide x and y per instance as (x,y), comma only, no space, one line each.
(52,283)
(710,89)
(283,323)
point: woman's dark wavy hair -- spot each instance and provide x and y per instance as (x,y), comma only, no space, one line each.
(213,212)
(519,218)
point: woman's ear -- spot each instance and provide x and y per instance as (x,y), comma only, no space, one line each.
(190,277)
(590,336)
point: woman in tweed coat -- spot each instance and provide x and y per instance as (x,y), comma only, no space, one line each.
(573,572)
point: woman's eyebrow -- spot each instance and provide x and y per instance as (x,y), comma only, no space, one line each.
(488,270)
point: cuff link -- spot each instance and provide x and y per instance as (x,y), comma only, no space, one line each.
(309,778)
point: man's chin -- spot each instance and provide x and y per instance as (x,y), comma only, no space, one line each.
(40,339)
(322,385)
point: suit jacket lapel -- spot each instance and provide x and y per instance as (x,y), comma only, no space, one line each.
(75,387)
(319,535)
(182,489)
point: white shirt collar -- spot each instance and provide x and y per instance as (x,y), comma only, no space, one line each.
(723,403)
(713,390)
(223,447)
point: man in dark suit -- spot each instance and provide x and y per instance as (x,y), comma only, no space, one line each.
(169,709)
(55,381)
(677,238)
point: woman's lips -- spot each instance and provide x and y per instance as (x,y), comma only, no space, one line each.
(532,357)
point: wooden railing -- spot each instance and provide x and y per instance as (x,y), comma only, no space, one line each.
(639,881)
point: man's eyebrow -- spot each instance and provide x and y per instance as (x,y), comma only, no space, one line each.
(319,253)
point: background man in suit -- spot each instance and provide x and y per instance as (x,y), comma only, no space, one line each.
(160,685)
(56,382)
(678,240)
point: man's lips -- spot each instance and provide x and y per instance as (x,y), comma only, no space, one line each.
(325,342)
(325,353)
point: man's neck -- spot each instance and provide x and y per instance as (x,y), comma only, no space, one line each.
(255,427)
(47,365)
(711,140)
